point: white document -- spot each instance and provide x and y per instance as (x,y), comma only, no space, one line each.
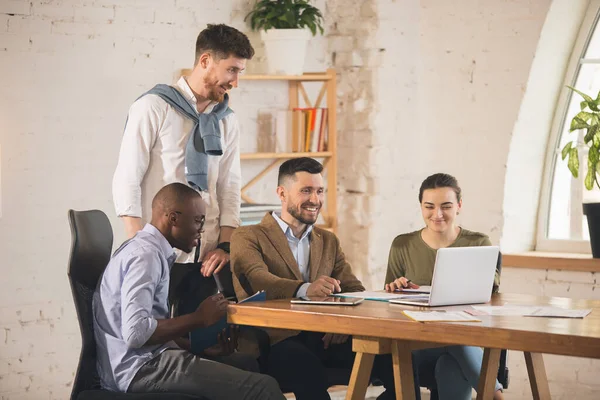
(506,310)
(559,313)
(530,311)
(440,316)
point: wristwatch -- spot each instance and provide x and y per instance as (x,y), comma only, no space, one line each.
(224,246)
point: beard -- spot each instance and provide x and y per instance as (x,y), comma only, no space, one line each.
(308,220)
(214,89)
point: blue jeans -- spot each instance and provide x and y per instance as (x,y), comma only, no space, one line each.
(453,369)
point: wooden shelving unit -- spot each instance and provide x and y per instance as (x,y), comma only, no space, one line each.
(297,93)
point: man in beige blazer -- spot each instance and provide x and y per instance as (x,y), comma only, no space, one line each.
(287,256)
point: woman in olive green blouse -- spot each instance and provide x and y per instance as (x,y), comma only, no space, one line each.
(410,264)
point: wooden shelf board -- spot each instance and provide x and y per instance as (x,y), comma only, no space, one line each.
(317,76)
(304,77)
(266,156)
(544,260)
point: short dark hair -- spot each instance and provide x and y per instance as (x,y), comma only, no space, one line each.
(173,195)
(303,164)
(440,180)
(223,41)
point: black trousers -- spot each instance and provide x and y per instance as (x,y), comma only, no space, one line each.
(302,365)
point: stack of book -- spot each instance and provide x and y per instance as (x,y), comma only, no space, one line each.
(253,213)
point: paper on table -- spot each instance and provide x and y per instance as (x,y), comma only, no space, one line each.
(507,310)
(559,313)
(440,316)
(529,311)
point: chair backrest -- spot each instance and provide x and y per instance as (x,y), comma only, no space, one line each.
(91,247)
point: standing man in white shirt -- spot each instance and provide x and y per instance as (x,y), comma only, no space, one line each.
(158,135)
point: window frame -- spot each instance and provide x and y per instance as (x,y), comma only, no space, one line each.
(543,243)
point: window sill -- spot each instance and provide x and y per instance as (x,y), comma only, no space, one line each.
(545,260)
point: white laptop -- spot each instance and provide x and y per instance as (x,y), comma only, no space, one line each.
(462,275)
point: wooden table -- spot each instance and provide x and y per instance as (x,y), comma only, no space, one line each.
(380,328)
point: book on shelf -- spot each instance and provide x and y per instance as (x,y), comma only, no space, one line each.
(310,129)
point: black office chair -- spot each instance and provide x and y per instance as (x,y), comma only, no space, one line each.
(427,379)
(91,246)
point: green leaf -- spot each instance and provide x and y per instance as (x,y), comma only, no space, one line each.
(566,149)
(591,103)
(573,162)
(583,105)
(584,115)
(593,156)
(585,96)
(590,133)
(589,177)
(578,123)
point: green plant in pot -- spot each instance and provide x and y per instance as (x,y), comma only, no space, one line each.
(285,27)
(588,120)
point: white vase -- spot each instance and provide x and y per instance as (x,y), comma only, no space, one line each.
(286,50)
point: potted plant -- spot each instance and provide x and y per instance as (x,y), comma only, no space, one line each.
(285,27)
(588,120)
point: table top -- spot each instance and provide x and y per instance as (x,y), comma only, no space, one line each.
(565,336)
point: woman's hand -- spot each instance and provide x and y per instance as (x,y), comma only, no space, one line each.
(399,284)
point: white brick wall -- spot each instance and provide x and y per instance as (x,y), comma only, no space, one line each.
(446,95)
(416,80)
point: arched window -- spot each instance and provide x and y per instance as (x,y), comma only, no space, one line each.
(561,224)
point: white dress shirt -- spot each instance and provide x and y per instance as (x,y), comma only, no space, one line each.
(152,155)
(300,248)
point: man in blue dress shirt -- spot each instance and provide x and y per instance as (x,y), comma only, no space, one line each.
(140,349)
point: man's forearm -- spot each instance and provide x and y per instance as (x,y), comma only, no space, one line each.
(225,235)
(174,328)
(183,343)
(132,225)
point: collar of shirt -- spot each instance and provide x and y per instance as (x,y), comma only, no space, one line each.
(288,231)
(164,244)
(187,91)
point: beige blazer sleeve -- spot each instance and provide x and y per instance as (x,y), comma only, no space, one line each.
(252,273)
